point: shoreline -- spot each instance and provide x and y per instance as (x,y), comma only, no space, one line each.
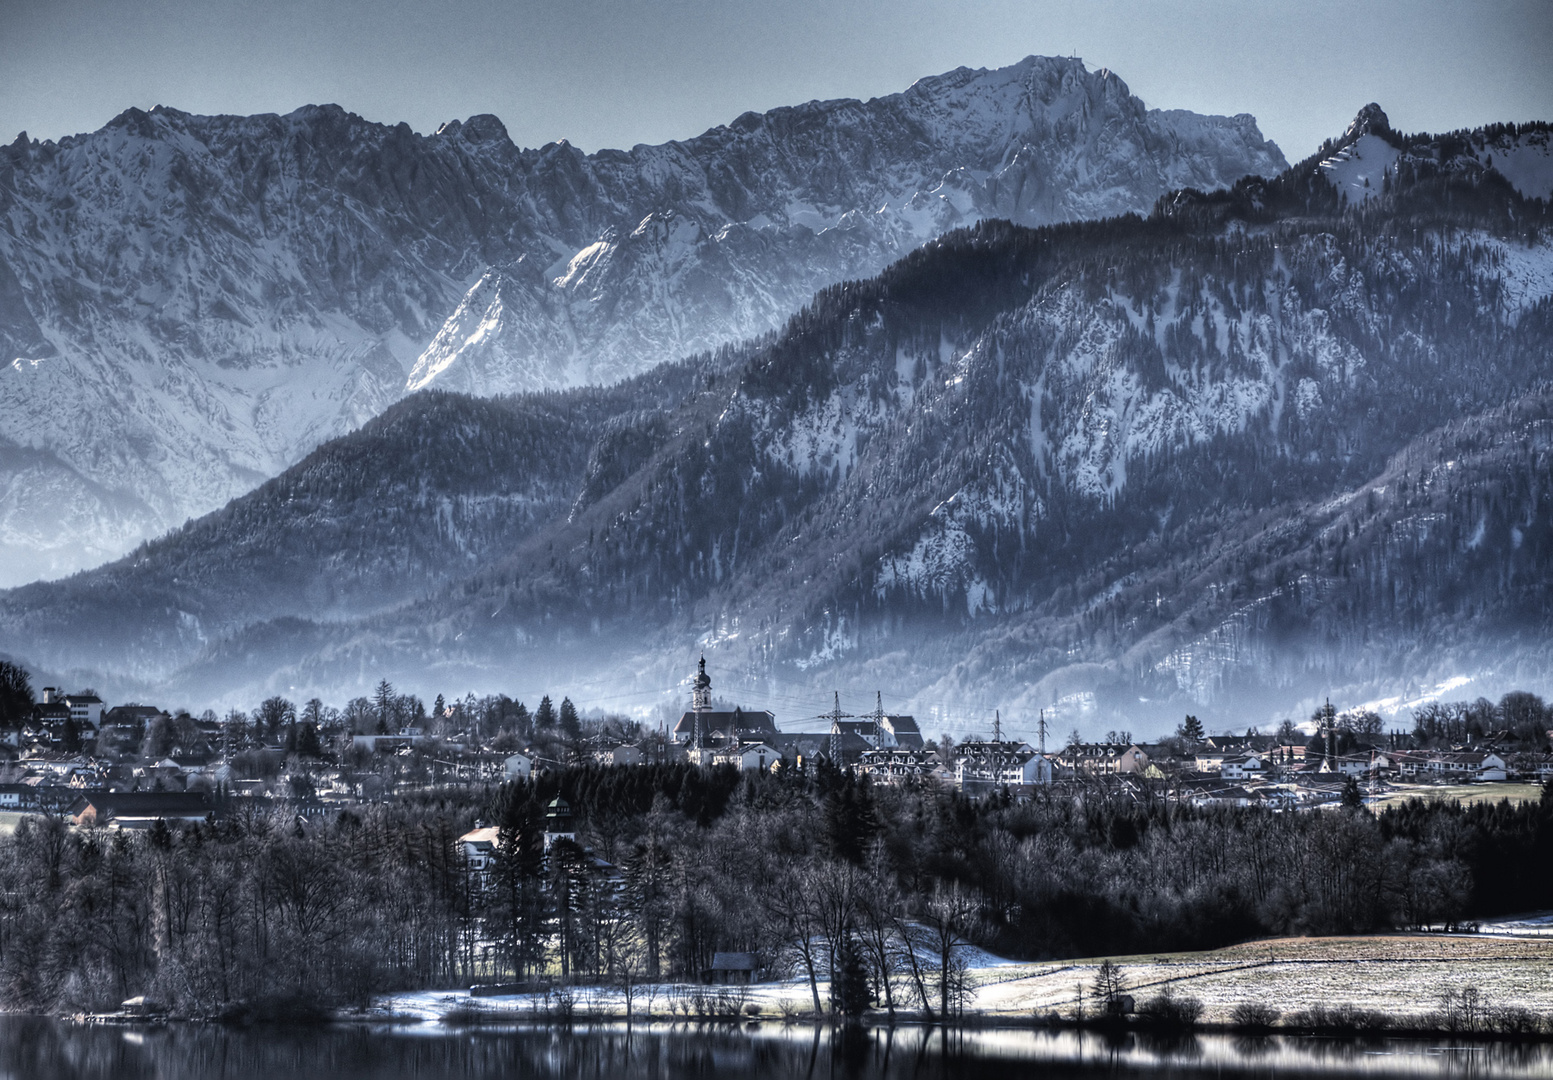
(1419,983)
(1485,987)
(1111,1027)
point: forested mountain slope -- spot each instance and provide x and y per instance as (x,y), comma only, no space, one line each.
(190,304)
(1264,443)
(422,495)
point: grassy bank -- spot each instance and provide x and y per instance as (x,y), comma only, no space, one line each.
(1403,976)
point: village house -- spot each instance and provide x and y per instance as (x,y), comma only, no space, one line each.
(1447,765)
(481,845)
(1098,759)
(1209,758)
(1363,764)
(1222,795)
(1242,766)
(140,809)
(880,730)
(51,712)
(731,967)
(1529,766)
(753,757)
(387,744)
(623,754)
(479,848)
(1289,753)
(898,765)
(801,748)
(900,731)
(999,762)
(85,710)
(844,747)
(1134,759)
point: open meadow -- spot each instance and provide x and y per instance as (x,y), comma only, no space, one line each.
(1403,975)
(1466,794)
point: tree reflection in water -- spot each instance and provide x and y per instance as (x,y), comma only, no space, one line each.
(44,1049)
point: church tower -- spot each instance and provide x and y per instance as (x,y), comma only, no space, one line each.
(700,703)
(701,695)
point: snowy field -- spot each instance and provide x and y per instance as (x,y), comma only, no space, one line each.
(1534,924)
(1403,975)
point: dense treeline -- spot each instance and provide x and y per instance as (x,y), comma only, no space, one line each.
(672,864)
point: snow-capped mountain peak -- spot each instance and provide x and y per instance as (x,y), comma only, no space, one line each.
(188,304)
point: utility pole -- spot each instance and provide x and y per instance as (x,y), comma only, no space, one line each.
(835,716)
(1329,734)
(1048,771)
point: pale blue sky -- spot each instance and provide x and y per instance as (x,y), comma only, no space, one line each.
(618,72)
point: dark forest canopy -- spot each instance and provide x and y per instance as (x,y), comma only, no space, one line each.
(259,909)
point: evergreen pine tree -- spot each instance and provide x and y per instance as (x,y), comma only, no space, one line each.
(16,700)
(571,723)
(1316,749)
(513,895)
(383,704)
(307,741)
(544,716)
(850,991)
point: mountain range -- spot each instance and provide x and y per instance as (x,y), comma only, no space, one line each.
(190,304)
(1282,440)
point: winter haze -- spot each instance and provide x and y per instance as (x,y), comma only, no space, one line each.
(1017,386)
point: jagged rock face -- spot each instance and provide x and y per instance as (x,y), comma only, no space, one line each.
(828,191)
(1253,445)
(189,304)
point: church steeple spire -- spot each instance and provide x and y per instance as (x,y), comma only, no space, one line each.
(701,695)
(700,702)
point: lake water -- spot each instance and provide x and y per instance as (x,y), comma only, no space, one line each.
(42,1049)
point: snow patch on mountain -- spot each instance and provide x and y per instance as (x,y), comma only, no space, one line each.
(1524,273)
(1526,161)
(821,440)
(1359,169)
(943,561)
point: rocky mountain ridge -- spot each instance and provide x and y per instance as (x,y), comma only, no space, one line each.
(1265,443)
(190,304)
